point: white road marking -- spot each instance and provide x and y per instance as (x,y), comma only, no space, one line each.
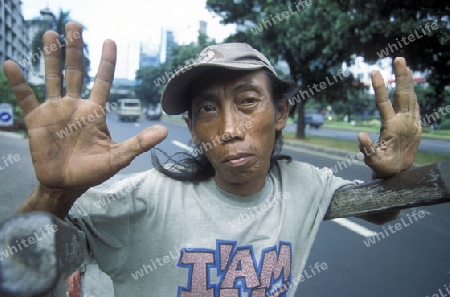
(361,230)
(182,145)
(137,124)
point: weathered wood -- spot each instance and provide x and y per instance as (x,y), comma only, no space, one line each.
(421,186)
(37,250)
(35,269)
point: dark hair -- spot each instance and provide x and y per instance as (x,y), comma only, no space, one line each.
(185,167)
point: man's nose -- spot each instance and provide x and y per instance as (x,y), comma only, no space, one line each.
(231,126)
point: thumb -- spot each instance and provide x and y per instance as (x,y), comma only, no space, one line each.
(123,153)
(366,146)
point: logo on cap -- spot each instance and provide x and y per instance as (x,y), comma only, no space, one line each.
(206,56)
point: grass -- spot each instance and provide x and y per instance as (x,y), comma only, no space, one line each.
(375,127)
(422,158)
(174,118)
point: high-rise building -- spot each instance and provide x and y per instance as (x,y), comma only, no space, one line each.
(148,54)
(170,44)
(167,44)
(202,27)
(127,59)
(14,42)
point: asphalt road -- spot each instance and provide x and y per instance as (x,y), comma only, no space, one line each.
(414,261)
(426,145)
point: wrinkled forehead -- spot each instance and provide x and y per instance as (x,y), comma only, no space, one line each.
(220,78)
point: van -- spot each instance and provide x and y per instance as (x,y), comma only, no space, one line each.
(129,109)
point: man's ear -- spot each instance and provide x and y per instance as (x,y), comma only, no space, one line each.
(189,125)
(282,114)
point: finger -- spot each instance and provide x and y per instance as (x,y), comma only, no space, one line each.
(418,116)
(412,102)
(382,97)
(24,94)
(74,70)
(125,152)
(53,76)
(105,73)
(403,82)
(366,146)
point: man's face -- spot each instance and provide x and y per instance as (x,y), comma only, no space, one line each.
(234,120)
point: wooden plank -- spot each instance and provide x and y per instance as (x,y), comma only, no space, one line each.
(421,186)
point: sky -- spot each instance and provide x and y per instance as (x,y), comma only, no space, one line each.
(128,22)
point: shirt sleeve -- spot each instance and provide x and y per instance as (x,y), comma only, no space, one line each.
(105,213)
(315,185)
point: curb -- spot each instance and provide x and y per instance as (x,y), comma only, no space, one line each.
(327,150)
(321,149)
(12,135)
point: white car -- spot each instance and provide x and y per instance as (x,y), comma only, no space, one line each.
(129,109)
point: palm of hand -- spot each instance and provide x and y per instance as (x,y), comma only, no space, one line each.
(397,145)
(69,140)
(400,133)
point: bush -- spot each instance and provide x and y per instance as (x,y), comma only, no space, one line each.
(444,125)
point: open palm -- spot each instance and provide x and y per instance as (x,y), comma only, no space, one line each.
(400,133)
(69,140)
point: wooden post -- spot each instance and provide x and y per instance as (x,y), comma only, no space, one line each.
(34,271)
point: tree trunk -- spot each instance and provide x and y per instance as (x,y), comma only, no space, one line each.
(300,124)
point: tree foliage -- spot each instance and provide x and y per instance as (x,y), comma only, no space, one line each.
(151,80)
(315,37)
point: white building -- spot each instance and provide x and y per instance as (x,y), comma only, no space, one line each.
(14,43)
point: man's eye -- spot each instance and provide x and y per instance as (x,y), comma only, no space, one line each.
(206,108)
(249,101)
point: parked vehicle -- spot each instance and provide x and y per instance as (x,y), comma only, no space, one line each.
(129,109)
(154,112)
(313,119)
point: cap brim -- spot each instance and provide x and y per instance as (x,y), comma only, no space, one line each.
(175,97)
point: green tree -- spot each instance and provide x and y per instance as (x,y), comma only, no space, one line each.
(316,37)
(151,81)
(314,50)
(418,30)
(6,94)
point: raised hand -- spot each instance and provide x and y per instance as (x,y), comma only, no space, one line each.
(85,155)
(400,133)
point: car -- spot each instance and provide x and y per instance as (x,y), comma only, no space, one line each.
(313,119)
(154,112)
(129,109)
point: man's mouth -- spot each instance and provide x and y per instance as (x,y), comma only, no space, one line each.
(238,159)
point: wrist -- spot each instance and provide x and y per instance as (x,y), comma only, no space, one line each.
(52,200)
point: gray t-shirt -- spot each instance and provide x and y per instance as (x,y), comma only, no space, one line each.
(156,236)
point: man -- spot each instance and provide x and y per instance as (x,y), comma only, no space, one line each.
(167,232)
